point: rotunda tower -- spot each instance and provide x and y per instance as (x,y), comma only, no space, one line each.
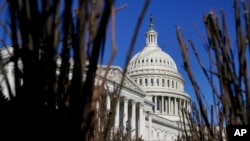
(156,72)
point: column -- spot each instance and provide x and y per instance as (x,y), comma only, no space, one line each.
(125,111)
(162,104)
(143,79)
(149,125)
(140,133)
(169,109)
(172,105)
(143,123)
(117,113)
(166,106)
(175,107)
(155,107)
(178,105)
(133,118)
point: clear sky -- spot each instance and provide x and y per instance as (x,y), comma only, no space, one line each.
(167,14)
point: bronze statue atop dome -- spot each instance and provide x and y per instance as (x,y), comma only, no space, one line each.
(151,19)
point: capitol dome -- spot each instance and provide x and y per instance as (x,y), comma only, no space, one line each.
(156,72)
(152,57)
(153,68)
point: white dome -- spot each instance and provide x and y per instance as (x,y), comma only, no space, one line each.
(153,69)
(152,57)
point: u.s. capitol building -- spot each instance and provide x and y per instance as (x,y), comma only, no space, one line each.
(151,95)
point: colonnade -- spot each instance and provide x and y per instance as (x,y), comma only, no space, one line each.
(129,115)
(169,105)
(151,38)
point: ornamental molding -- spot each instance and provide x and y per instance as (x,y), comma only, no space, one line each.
(169,93)
(163,121)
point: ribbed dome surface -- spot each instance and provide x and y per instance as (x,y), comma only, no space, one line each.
(152,56)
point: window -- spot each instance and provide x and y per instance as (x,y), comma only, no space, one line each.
(157,81)
(140,82)
(168,83)
(176,84)
(152,81)
(151,60)
(135,81)
(172,84)
(163,81)
(146,81)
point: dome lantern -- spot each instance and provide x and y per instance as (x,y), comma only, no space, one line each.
(151,35)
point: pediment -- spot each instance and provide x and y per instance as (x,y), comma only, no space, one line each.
(115,74)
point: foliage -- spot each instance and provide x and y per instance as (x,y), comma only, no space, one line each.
(56,53)
(229,68)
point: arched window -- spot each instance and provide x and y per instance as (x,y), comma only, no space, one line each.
(140,82)
(163,82)
(152,81)
(172,84)
(146,81)
(157,82)
(176,84)
(168,83)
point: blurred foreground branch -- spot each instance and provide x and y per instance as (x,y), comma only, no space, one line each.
(228,67)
